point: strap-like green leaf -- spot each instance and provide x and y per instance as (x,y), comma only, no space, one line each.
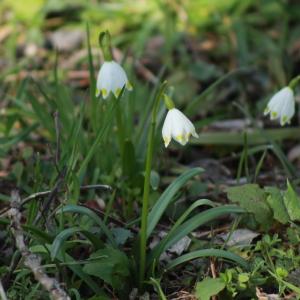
(168,196)
(65,234)
(189,226)
(86,211)
(207,253)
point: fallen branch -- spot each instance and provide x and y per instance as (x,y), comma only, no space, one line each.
(32,261)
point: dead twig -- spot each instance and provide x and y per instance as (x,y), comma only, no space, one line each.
(2,292)
(52,194)
(32,261)
(213,273)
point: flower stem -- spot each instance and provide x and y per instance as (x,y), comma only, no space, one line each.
(294,82)
(144,220)
(169,102)
(105,44)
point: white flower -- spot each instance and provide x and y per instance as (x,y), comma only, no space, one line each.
(178,127)
(282,106)
(111,78)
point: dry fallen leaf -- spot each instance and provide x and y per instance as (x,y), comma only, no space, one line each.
(239,237)
(263,296)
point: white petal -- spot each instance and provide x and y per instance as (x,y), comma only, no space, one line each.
(281,105)
(166,130)
(119,78)
(287,111)
(111,78)
(104,80)
(178,126)
(195,134)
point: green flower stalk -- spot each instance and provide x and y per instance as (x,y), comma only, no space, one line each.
(105,44)
(176,125)
(145,204)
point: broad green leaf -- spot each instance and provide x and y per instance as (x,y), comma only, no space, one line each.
(275,200)
(112,267)
(209,287)
(121,235)
(243,277)
(168,197)
(292,203)
(253,199)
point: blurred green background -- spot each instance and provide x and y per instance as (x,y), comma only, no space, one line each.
(250,47)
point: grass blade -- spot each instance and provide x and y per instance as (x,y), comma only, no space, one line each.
(207,253)
(65,234)
(158,288)
(197,101)
(189,226)
(85,211)
(9,142)
(168,196)
(100,134)
(184,216)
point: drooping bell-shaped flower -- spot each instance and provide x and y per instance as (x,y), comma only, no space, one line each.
(177,126)
(282,106)
(111,76)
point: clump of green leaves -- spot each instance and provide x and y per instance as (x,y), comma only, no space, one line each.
(267,204)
